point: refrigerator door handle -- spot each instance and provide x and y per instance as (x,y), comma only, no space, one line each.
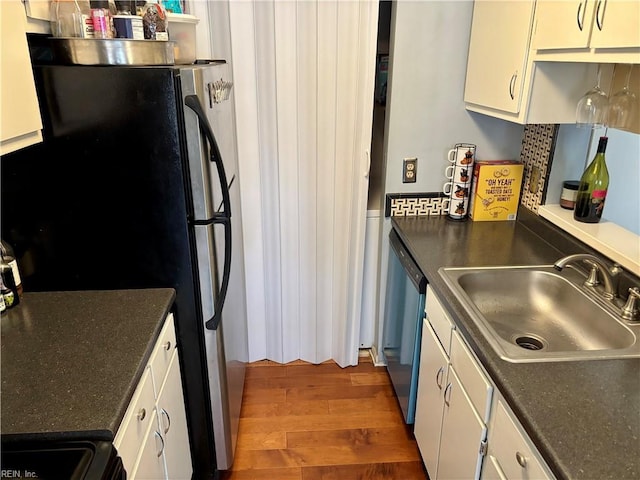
(223,217)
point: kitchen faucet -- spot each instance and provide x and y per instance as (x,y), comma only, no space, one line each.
(596,265)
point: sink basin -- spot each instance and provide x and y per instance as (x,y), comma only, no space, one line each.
(537,314)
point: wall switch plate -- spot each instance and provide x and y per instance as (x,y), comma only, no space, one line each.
(409,170)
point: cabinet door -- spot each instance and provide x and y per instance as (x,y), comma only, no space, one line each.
(510,448)
(430,403)
(616,24)
(462,434)
(498,52)
(150,465)
(563,24)
(172,420)
(491,469)
(20,123)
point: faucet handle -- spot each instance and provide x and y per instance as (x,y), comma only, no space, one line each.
(592,281)
(630,309)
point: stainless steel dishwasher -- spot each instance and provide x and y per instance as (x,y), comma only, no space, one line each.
(402,330)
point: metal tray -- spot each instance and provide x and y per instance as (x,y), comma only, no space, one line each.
(112,51)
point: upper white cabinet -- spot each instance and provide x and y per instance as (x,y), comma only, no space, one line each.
(526,66)
(20,122)
(503,80)
(496,68)
(597,24)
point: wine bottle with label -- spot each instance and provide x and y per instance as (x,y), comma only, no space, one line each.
(592,189)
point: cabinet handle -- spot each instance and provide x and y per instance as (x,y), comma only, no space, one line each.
(447,394)
(157,434)
(599,21)
(439,378)
(512,85)
(141,414)
(578,17)
(521,459)
(167,346)
(164,412)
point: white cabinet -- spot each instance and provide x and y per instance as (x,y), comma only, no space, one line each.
(463,434)
(496,68)
(433,377)
(20,122)
(503,80)
(172,420)
(153,439)
(598,24)
(453,401)
(510,453)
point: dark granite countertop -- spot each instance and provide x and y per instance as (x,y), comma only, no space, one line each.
(583,416)
(71,360)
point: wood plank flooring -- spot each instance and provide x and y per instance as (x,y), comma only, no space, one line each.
(321,422)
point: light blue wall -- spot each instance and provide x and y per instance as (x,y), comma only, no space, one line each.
(425,108)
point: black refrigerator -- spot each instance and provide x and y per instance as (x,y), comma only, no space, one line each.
(135,186)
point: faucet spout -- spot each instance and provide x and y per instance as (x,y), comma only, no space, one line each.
(594,261)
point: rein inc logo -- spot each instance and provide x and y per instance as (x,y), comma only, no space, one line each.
(18,474)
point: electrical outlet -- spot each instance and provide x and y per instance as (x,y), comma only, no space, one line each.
(409,170)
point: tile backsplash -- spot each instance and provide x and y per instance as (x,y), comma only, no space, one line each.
(538,146)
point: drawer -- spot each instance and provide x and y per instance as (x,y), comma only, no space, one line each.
(162,353)
(136,421)
(439,319)
(472,376)
(512,451)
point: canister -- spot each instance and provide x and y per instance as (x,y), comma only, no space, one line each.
(569,194)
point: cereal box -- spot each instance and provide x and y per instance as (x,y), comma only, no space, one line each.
(495,190)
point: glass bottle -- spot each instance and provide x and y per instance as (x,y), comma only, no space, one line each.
(154,21)
(8,257)
(71,18)
(101,16)
(592,190)
(7,286)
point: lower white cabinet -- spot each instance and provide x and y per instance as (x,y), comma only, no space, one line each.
(464,430)
(453,401)
(153,438)
(510,453)
(432,380)
(463,434)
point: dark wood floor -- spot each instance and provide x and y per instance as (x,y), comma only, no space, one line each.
(322,422)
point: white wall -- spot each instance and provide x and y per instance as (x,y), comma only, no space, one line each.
(425,107)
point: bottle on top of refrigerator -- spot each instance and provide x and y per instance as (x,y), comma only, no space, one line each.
(154,21)
(101,17)
(71,18)
(592,189)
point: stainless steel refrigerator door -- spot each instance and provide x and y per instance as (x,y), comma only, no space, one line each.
(212,86)
(227,346)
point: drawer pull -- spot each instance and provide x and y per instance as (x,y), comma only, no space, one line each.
(521,459)
(447,391)
(164,412)
(167,346)
(157,434)
(142,414)
(439,378)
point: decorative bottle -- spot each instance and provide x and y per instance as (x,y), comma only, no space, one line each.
(592,189)
(154,21)
(8,257)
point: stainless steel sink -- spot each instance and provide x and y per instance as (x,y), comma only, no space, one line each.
(537,314)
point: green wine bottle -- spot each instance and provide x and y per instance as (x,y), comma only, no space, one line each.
(592,190)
